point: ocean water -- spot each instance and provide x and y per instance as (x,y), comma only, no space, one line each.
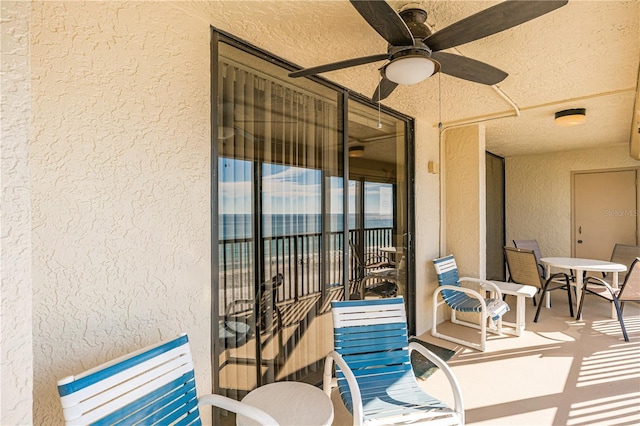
(239,226)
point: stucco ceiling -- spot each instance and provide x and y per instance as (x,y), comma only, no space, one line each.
(583,55)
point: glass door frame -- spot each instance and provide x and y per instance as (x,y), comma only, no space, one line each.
(343,95)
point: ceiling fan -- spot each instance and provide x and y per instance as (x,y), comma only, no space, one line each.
(414,53)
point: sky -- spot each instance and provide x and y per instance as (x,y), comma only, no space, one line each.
(291,190)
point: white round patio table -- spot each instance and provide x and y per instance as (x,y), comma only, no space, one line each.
(290,403)
(580,265)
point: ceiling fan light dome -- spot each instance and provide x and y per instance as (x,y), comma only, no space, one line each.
(409,70)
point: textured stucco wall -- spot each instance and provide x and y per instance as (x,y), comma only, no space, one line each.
(538,193)
(464,183)
(16,356)
(426,238)
(119,167)
(634,140)
(120,156)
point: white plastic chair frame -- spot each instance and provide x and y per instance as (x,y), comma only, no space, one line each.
(370,315)
(153,385)
(448,264)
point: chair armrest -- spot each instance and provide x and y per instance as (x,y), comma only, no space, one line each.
(599,281)
(238,407)
(486,285)
(376,258)
(453,381)
(380,262)
(231,306)
(543,272)
(552,275)
(327,380)
(469,291)
(567,277)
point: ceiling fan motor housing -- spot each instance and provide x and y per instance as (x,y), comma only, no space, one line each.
(415,19)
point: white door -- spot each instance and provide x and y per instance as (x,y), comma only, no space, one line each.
(605,212)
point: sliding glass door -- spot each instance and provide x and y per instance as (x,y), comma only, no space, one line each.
(280,214)
(378,207)
(286,207)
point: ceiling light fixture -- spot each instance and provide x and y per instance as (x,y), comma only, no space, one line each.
(410,69)
(570,117)
(356,151)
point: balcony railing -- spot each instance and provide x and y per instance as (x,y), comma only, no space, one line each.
(291,323)
(308,263)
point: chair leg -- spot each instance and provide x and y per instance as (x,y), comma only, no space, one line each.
(580,303)
(541,302)
(533,298)
(569,297)
(619,312)
(483,332)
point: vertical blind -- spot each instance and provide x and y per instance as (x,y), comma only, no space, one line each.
(280,238)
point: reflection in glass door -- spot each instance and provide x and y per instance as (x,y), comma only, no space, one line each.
(283,235)
(378,207)
(280,225)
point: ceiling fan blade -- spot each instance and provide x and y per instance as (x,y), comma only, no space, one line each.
(468,69)
(339,65)
(497,18)
(383,90)
(385,21)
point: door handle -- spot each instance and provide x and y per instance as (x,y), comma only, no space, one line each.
(579,241)
(579,229)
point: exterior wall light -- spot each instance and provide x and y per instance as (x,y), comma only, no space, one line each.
(570,117)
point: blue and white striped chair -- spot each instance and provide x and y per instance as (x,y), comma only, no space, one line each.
(373,367)
(462,299)
(154,385)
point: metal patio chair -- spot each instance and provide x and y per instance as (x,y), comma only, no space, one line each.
(463,299)
(523,269)
(241,326)
(377,270)
(239,313)
(155,385)
(532,245)
(624,254)
(629,291)
(373,371)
